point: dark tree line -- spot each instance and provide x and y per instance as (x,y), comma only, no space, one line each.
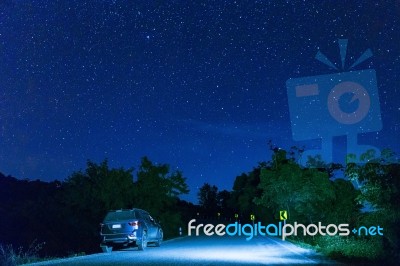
(66,215)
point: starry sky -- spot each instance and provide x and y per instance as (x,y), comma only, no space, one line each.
(200,85)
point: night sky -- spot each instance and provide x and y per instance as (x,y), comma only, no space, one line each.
(200,85)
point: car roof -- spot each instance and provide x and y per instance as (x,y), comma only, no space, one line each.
(133,209)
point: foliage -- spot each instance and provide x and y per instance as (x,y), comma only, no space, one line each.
(378,178)
(303,192)
(245,189)
(310,194)
(32,207)
(223,199)
(339,247)
(208,200)
(67,215)
(11,257)
(99,189)
(157,190)
(377,182)
(88,195)
(344,207)
(213,203)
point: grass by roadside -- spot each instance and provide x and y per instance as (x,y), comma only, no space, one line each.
(345,249)
(10,256)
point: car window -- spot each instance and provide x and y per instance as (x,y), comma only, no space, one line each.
(140,215)
(149,218)
(137,214)
(145,216)
(120,216)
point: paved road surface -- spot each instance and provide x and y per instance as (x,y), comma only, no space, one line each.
(205,251)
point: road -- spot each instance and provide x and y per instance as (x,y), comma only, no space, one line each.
(203,250)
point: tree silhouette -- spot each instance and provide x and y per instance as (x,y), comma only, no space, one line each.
(208,200)
(157,190)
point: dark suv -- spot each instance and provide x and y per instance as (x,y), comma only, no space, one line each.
(126,227)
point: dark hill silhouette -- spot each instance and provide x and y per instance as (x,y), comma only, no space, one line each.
(27,210)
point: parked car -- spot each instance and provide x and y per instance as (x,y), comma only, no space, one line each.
(129,227)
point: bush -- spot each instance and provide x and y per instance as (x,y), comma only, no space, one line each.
(350,247)
(11,257)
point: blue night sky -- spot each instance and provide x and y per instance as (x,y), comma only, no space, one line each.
(200,85)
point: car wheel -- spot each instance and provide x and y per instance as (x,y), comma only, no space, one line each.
(143,243)
(107,249)
(160,238)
